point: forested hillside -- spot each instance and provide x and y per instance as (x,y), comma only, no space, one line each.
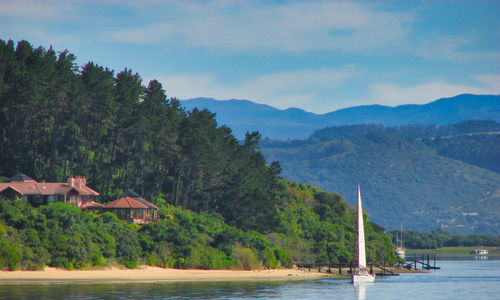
(57,120)
(313,227)
(425,177)
(221,205)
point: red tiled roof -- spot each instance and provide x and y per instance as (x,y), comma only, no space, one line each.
(126,202)
(31,187)
(147,203)
(46,188)
(92,204)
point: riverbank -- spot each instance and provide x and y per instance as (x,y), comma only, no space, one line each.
(454,251)
(153,274)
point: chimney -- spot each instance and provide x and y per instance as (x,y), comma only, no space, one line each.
(71,181)
(80,181)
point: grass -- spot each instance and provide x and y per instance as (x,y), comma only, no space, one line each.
(453,251)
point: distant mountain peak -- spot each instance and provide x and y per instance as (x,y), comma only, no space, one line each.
(294,123)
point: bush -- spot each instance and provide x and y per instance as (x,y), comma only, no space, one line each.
(130,264)
(283,258)
(247,260)
(97,260)
(10,255)
(269,259)
(60,262)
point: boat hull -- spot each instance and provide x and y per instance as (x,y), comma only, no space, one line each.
(363,278)
(400,252)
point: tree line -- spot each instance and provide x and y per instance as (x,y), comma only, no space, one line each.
(411,131)
(437,239)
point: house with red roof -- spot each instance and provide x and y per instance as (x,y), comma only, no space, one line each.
(37,193)
(133,209)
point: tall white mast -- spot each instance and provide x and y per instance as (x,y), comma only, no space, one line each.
(401,236)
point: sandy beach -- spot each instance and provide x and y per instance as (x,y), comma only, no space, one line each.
(151,274)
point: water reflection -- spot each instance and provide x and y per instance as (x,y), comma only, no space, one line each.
(361,288)
(480,257)
(472,279)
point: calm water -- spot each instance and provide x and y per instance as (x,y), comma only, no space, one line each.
(461,279)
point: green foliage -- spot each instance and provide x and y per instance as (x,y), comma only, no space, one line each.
(247,260)
(439,239)
(70,238)
(319,227)
(123,135)
(427,176)
(10,255)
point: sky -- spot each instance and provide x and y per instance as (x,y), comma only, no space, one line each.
(319,56)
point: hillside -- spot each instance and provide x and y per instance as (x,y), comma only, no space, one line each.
(403,179)
(294,123)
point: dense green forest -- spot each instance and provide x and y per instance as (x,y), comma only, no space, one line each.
(61,235)
(57,120)
(475,142)
(221,205)
(425,177)
(314,226)
(437,239)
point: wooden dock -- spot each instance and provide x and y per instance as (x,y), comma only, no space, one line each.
(341,268)
(424,260)
(415,262)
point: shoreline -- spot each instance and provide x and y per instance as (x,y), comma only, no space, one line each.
(154,274)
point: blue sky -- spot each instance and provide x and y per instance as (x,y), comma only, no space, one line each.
(316,55)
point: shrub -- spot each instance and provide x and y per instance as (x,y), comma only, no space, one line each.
(97,260)
(131,264)
(269,259)
(247,260)
(10,255)
(60,262)
(284,260)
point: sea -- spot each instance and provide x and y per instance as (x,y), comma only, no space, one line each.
(458,278)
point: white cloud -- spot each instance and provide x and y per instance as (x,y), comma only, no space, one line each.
(33,10)
(151,34)
(316,90)
(251,26)
(281,90)
(391,94)
(489,81)
(450,48)
(441,47)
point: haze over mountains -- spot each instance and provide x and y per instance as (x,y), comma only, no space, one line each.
(420,180)
(293,123)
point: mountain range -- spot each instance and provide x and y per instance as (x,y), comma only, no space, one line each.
(293,123)
(449,180)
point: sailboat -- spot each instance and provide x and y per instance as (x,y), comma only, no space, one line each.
(361,274)
(400,251)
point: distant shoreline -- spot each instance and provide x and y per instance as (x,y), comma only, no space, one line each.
(154,274)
